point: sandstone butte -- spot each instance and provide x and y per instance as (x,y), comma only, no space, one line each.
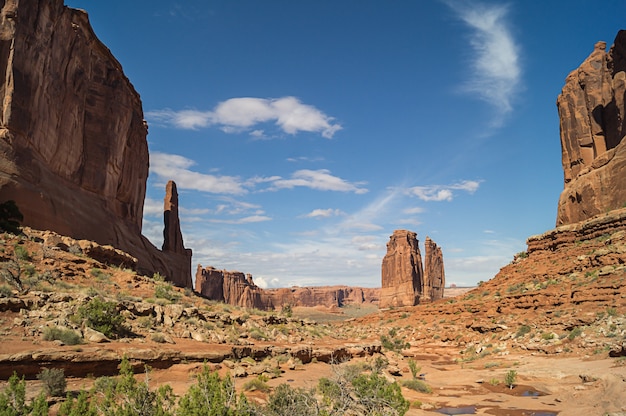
(73,148)
(593,124)
(404,280)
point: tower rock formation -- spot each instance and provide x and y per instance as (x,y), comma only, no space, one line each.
(402,272)
(73,149)
(405,282)
(593,124)
(434,274)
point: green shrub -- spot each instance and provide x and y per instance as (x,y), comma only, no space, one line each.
(286,400)
(415,369)
(102,316)
(78,407)
(6,291)
(166,291)
(67,336)
(53,381)
(417,385)
(211,395)
(376,394)
(258,384)
(575,333)
(13,397)
(523,330)
(510,377)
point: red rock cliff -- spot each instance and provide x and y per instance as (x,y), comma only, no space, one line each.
(402,271)
(73,149)
(434,274)
(593,124)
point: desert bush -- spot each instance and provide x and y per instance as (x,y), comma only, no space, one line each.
(53,381)
(522,330)
(393,344)
(126,396)
(212,395)
(13,397)
(287,310)
(417,385)
(67,336)
(575,333)
(78,407)
(6,291)
(158,337)
(166,291)
(102,316)
(415,369)
(258,384)
(510,377)
(286,400)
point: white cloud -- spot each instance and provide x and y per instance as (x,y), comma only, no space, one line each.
(175,167)
(245,220)
(323,213)
(414,210)
(152,207)
(265,283)
(442,192)
(496,67)
(242,114)
(320,179)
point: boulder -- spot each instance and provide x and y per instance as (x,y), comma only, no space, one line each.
(592,126)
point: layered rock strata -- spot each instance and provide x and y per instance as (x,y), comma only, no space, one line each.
(593,125)
(402,271)
(405,281)
(73,149)
(434,273)
(239,289)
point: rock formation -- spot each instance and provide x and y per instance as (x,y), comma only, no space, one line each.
(405,282)
(434,274)
(172,236)
(593,124)
(73,149)
(235,288)
(230,287)
(402,272)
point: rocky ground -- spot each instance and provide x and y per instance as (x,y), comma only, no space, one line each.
(555,316)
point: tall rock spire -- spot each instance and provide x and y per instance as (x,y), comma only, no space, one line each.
(434,274)
(402,273)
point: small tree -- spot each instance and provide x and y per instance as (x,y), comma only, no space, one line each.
(509,378)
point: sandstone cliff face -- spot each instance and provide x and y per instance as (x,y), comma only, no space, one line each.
(230,287)
(73,149)
(235,288)
(402,272)
(434,274)
(327,296)
(593,124)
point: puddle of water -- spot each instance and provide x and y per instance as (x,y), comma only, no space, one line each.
(466,410)
(532,393)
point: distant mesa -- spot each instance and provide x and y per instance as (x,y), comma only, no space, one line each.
(405,281)
(73,148)
(236,288)
(593,124)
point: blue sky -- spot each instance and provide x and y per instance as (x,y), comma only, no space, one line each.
(301,134)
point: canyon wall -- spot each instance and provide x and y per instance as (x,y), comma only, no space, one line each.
(593,125)
(236,288)
(73,148)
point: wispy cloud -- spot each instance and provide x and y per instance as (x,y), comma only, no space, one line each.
(244,114)
(442,192)
(321,180)
(324,213)
(496,68)
(176,167)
